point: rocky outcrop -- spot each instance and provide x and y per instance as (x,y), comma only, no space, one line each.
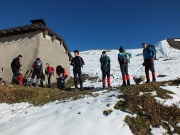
(174,42)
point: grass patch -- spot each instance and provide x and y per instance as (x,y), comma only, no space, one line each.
(36,96)
(149,112)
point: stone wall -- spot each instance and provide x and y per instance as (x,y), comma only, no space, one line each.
(54,53)
(30,46)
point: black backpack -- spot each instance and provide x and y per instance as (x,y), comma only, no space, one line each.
(152,47)
(38,65)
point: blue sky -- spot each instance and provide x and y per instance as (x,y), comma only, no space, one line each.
(98,24)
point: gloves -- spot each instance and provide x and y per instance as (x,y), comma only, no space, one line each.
(143,64)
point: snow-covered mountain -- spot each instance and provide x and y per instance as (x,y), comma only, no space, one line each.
(84,116)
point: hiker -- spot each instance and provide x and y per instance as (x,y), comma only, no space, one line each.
(61,77)
(27,77)
(42,79)
(20,77)
(149,57)
(49,71)
(37,68)
(77,62)
(15,66)
(105,68)
(124,59)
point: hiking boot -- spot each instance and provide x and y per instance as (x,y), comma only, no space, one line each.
(148,81)
(128,82)
(76,88)
(104,86)
(154,80)
(82,89)
(124,83)
(109,86)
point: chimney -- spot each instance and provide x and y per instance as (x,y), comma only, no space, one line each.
(38,21)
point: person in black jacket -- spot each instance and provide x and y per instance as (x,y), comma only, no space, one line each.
(15,66)
(77,62)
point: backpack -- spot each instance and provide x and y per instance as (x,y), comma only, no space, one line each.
(37,65)
(126,57)
(152,47)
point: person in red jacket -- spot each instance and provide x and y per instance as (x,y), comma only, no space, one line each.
(20,78)
(49,71)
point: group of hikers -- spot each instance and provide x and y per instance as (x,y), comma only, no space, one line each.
(37,70)
(149,54)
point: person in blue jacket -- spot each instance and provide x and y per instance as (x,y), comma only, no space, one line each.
(149,57)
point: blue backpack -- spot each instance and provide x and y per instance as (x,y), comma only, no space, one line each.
(125,57)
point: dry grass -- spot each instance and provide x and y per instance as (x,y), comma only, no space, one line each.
(36,96)
(148,110)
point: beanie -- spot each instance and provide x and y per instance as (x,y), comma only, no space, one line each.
(104,52)
(120,49)
(76,51)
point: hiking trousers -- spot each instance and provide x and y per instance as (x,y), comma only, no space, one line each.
(49,80)
(125,75)
(149,65)
(105,74)
(37,74)
(124,69)
(15,74)
(60,83)
(77,72)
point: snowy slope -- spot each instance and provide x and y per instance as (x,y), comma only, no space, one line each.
(85,116)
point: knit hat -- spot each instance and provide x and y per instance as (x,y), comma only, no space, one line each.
(37,59)
(76,51)
(20,56)
(121,49)
(104,52)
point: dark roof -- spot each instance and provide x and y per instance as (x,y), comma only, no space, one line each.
(36,25)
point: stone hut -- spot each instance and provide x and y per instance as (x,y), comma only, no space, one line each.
(32,41)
